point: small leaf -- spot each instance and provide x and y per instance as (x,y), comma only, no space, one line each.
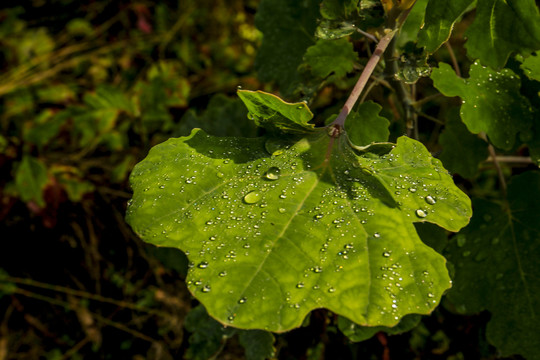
(30,180)
(366,126)
(462,151)
(491,101)
(358,333)
(259,344)
(502,27)
(496,267)
(531,66)
(331,57)
(312,224)
(288,28)
(439,21)
(207,335)
(272,113)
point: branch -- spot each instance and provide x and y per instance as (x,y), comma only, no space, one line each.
(364,77)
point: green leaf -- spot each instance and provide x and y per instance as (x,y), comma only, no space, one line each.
(366,126)
(462,152)
(531,66)
(288,28)
(502,27)
(327,57)
(491,101)
(274,114)
(496,267)
(223,117)
(30,180)
(438,22)
(310,224)
(259,344)
(207,335)
(358,333)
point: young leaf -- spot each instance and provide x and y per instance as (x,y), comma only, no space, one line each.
(365,125)
(462,151)
(439,21)
(288,28)
(531,66)
(277,227)
(331,57)
(491,101)
(502,27)
(274,114)
(496,262)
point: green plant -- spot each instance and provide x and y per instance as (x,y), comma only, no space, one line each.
(305,217)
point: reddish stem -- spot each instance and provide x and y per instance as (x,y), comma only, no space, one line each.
(364,77)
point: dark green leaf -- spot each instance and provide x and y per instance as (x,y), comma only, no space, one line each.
(327,57)
(288,28)
(360,333)
(502,27)
(207,335)
(531,66)
(366,126)
(439,21)
(496,267)
(274,114)
(462,151)
(259,344)
(311,224)
(223,117)
(491,102)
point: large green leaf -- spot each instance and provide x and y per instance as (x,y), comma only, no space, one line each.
(438,22)
(278,226)
(496,262)
(491,101)
(502,27)
(288,28)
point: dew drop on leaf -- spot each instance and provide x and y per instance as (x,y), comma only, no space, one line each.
(421,213)
(273,173)
(206,289)
(203,265)
(430,200)
(242,300)
(252,197)
(386,254)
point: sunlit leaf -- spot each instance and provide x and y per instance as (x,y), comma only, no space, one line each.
(496,267)
(277,227)
(491,101)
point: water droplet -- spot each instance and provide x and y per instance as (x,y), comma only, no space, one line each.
(300,285)
(376,235)
(242,300)
(386,254)
(331,290)
(282,210)
(206,289)
(421,213)
(430,200)
(203,265)
(222,274)
(411,189)
(273,173)
(430,295)
(252,197)
(317,269)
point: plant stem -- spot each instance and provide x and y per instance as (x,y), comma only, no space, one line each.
(364,77)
